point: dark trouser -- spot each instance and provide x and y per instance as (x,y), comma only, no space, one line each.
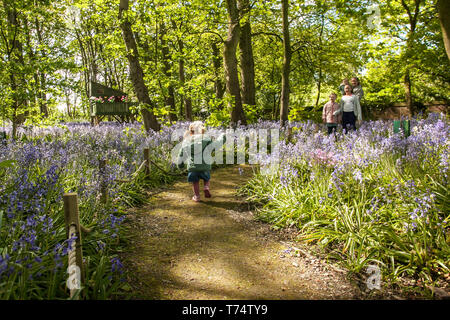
(331,128)
(348,119)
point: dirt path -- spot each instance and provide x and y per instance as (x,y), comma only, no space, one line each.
(216,250)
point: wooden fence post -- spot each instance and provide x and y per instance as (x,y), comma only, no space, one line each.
(103,186)
(289,134)
(147,161)
(72,220)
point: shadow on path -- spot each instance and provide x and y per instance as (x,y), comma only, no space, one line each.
(214,250)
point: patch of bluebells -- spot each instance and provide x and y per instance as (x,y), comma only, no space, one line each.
(116,265)
(54,160)
(65,158)
(351,156)
(110,225)
(5,268)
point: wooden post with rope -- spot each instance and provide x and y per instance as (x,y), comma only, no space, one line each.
(75,254)
(147,161)
(289,134)
(103,186)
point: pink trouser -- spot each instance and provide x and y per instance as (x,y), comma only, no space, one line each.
(196,187)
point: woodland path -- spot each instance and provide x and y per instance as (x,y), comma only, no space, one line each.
(215,249)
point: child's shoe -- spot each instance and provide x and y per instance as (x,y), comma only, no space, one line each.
(196,198)
(206,189)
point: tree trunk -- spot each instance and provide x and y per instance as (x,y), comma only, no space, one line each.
(413,17)
(319,80)
(136,73)
(42,88)
(85,63)
(444,17)
(15,57)
(170,98)
(408,96)
(230,64)
(246,56)
(319,84)
(185,100)
(219,87)
(284,107)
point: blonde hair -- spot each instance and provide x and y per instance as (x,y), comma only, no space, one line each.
(195,127)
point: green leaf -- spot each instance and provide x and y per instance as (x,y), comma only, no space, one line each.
(7,163)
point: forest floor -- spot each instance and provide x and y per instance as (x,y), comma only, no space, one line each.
(215,249)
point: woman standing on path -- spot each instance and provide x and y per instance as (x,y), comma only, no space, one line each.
(350,108)
(358,91)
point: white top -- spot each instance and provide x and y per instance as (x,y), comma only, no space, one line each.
(349,104)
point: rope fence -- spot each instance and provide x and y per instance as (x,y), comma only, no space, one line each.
(74,229)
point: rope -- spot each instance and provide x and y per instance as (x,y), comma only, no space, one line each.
(72,258)
(167,172)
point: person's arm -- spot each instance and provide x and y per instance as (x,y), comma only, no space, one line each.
(180,158)
(361,94)
(219,141)
(357,108)
(341,106)
(324,113)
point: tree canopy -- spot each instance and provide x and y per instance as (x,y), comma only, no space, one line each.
(223,61)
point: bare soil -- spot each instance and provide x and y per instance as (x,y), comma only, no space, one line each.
(215,249)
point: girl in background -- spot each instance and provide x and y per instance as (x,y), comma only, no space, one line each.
(328,116)
(342,86)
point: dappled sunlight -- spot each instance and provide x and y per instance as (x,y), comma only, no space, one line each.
(199,251)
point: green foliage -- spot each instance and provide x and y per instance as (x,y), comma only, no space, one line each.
(218,117)
(65,45)
(369,219)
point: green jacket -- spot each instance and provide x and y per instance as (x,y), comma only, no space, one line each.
(192,151)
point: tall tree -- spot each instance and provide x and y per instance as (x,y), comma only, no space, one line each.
(230,64)
(246,55)
(219,86)
(14,53)
(287,55)
(166,60)
(185,100)
(444,18)
(136,73)
(413,15)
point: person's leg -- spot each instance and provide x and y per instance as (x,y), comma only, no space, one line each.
(206,189)
(330,129)
(196,189)
(345,122)
(353,121)
(194,179)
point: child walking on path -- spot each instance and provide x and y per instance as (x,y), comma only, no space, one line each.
(192,154)
(328,116)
